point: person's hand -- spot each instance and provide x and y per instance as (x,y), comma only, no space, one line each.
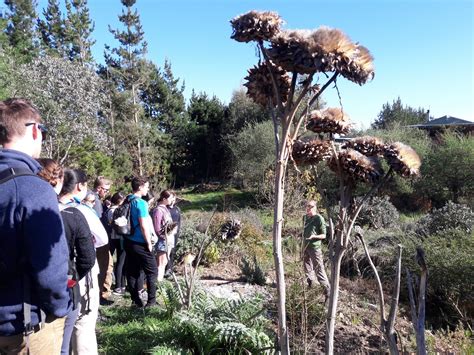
(150,247)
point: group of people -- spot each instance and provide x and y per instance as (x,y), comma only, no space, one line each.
(57,243)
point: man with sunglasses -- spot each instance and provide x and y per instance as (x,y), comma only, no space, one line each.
(33,250)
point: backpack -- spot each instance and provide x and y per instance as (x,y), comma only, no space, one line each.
(122,218)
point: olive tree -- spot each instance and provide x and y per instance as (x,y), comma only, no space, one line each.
(69,98)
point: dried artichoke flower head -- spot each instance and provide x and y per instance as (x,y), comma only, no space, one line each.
(231,229)
(330,120)
(357,166)
(310,152)
(290,50)
(256,26)
(366,145)
(361,68)
(332,49)
(260,85)
(403,159)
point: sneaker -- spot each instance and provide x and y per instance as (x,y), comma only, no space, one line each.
(119,291)
(143,294)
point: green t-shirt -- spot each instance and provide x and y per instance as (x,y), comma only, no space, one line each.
(314,225)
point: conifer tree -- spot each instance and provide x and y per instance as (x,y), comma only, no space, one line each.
(128,69)
(21,27)
(52,30)
(78,30)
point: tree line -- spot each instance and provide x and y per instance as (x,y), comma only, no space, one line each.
(128,115)
(125,115)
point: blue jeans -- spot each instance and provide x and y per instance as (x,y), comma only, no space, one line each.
(68,328)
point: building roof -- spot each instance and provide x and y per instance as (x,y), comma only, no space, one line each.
(444,121)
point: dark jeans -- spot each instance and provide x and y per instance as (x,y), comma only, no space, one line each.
(139,258)
(115,245)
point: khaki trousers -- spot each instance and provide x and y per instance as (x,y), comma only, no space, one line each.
(46,341)
(314,264)
(106,267)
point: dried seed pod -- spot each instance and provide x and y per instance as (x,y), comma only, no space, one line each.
(290,50)
(403,159)
(322,50)
(330,120)
(256,26)
(260,85)
(361,67)
(366,145)
(310,152)
(356,166)
(231,229)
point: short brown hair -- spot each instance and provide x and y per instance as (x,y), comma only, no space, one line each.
(14,113)
(138,181)
(101,180)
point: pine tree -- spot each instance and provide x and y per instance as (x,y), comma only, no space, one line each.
(129,70)
(79,28)
(52,30)
(21,27)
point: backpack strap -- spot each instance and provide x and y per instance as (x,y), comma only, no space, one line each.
(12,173)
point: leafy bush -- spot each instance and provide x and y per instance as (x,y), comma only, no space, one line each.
(447,172)
(450,265)
(378,212)
(189,241)
(451,216)
(253,271)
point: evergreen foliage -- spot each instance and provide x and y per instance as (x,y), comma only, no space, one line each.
(395,114)
(69,97)
(450,217)
(78,31)
(447,171)
(21,30)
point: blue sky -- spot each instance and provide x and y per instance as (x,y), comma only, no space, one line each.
(423,49)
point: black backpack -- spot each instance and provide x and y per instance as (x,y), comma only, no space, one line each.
(122,218)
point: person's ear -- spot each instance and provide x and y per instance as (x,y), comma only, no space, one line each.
(35,131)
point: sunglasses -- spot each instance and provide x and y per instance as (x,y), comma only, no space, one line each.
(40,126)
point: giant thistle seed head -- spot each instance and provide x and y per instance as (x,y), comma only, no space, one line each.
(256,26)
(360,68)
(366,145)
(356,166)
(260,85)
(231,229)
(330,120)
(322,50)
(290,50)
(403,159)
(311,152)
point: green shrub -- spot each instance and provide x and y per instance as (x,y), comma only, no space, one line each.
(450,265)
(378,212)
(253,271)
(451,216)
(189,241)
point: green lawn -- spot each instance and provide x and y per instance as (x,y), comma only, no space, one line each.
(225,199)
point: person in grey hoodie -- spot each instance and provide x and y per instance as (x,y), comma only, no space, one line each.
(33,249)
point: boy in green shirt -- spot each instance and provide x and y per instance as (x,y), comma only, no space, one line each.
(314,230)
